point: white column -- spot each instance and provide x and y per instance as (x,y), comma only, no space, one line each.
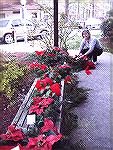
(24,16)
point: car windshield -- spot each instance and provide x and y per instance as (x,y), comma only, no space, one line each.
(3,23)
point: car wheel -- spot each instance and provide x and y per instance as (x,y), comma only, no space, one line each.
(44,33)
(8,38)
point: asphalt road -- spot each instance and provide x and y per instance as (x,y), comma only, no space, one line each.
(95,116)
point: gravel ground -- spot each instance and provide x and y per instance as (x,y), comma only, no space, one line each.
(95,115)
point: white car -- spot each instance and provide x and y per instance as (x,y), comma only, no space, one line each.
(15,28)
(93,23)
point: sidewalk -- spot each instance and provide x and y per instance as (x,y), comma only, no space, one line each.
(23,47)
(95,117)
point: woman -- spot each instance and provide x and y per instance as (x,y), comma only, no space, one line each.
(90,47)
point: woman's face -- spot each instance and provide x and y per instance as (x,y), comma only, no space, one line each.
(86,35)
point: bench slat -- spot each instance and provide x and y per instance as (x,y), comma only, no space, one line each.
(19,118)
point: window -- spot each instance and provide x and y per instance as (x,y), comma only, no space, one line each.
(34,15)
(16,23)
(3,23)
(16,12)
(28,23)
(2,15)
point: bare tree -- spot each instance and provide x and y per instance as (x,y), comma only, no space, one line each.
(93,8)
(78,5)
(66,10)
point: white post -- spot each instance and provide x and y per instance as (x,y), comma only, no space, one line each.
(15,39)
(24,11)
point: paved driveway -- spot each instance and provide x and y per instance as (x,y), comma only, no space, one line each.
(28,47)
(95,117)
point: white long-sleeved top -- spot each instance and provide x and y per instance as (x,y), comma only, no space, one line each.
(90,44)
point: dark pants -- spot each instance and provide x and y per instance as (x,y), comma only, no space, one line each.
(93,55)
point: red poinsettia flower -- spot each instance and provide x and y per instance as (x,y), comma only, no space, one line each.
(57,49)
(37,109)
(37,143)
(34,65)
(37,100)
(42,143)
(13,134)
(85,57)
(40,104)
(11,128)
(53,138)
(55,88)
(64,66)
(42,101)
(11,147)
(43,67)
(87,71)
(45,75)
(48,125)
(64,52)
(48,80)
(68,79)
(40,53)
(91,65)
(40,85)
(51,54)
(6,147)
(47,101)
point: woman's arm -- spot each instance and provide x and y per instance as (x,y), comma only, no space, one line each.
(92,44)
(81,46)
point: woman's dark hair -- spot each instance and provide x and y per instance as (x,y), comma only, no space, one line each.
(86,30)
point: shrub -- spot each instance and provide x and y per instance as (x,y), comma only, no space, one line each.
(10,77)
(107,27)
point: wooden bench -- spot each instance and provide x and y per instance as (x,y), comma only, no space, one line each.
(21,117)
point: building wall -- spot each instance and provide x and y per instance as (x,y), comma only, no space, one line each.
(3,2)
(9,1)
(11,7)
(85,9)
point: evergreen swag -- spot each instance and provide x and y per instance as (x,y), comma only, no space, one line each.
(50,67)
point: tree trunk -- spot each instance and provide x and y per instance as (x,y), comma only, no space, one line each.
(66,10)
(93,8)
(78,5)
(111,4)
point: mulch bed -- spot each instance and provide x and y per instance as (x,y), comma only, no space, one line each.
(9,108)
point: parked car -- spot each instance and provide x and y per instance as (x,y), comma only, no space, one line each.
(93,23)
(81,23)
(16,28)
(73,25)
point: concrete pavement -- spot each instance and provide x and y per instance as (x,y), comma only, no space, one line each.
(28,47)
(95,117)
